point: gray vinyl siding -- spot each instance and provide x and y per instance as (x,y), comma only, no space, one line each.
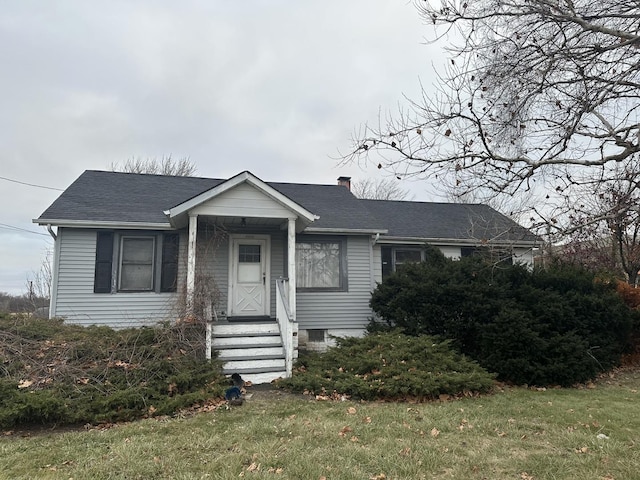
(214,258)
(377,264)
(340,310)
(278,247)
(74,298)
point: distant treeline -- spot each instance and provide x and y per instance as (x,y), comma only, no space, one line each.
(21,303)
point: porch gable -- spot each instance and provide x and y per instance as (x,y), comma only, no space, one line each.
(244,195)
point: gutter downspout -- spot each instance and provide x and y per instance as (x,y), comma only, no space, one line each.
(51,232)
(53,293)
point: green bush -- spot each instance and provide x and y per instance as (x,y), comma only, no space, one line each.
(389,366)
(543,327)
(51,373)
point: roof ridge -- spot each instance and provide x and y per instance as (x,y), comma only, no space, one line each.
(152,175)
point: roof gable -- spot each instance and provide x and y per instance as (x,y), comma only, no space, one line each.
(205,202)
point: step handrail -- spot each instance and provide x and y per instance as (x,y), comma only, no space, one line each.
(286,322)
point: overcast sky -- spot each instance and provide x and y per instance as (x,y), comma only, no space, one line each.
(273,87)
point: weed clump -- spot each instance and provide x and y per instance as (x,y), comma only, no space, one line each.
(51,373)
(389,366)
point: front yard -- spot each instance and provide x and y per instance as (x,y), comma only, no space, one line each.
(592,432)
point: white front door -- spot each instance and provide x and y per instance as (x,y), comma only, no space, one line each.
(249,276)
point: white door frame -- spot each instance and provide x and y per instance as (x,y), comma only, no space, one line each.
(265,259)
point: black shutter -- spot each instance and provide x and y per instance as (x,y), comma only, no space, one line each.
(169,276)
(104,259)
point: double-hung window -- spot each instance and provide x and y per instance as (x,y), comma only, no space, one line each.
(136,262)
(320,264)
(394,257)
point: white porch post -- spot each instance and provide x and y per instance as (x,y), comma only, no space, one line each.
(291,269)
(191,263)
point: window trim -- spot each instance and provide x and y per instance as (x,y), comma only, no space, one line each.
(342,263)
(388,253)
(108,261)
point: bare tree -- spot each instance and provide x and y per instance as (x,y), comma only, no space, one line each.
(183,167)
(39,283)
(381,189)
(605,225)
(538,95)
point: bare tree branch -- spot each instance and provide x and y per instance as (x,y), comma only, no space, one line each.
(535,90)
(381,189)
(183,167)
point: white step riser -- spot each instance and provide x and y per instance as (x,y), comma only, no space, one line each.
(245,329)
(248,341)
(258,378)
(257,364)
(249,352)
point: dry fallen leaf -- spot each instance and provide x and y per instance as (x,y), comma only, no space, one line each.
(25,384)
(345,430)
(435,432)
(352,411)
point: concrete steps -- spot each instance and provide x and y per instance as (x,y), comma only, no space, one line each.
(253,350)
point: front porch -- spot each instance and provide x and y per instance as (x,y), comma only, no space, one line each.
(251,273)
(259,351)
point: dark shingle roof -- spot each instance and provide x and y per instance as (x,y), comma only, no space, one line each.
(98,196)
(336,206)
(124,197)
(446,221)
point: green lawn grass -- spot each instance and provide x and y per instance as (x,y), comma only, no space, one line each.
(515,433)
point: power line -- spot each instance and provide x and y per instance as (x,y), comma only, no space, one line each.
(30,184)
(11,227)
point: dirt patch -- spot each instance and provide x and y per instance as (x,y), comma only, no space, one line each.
(269,392)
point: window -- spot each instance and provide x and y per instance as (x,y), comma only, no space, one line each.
(394,257)
(136,263)
(494,255)
(320,265)
(316,335)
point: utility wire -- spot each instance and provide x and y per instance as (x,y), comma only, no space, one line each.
(30,184)
(11,227)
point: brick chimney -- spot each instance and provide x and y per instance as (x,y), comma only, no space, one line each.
(345,182)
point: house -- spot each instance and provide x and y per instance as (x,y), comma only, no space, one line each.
(276,265)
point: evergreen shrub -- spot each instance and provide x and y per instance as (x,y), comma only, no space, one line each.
(388,365)
(555,326)
(52,373)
